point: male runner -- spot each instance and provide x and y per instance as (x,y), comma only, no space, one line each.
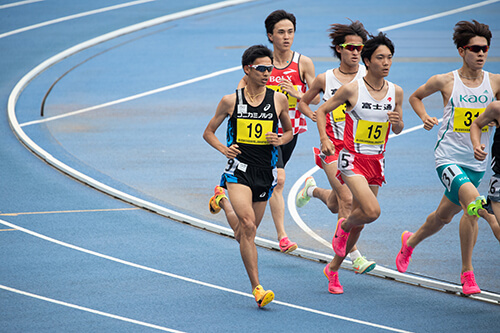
(251,149)
(291,73)
(373,108)
(347,43)
(466,93)
(491,114)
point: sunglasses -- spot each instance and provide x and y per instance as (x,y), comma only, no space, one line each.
(477,48)
(352,47)
(262,68)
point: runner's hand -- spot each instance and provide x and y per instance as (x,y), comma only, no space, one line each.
(327,147)
(479,152)
(429,122)
(232,151)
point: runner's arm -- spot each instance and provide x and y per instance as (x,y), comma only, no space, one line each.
(430,87)
(224,109)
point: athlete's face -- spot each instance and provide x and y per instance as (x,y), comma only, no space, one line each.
(350,58)
(380,62)
(283,34)
(474,60)
(260,78)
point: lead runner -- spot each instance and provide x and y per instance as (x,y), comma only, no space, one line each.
(252,153)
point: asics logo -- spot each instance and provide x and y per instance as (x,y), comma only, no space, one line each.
(290,71)
(267,107)
(262,195)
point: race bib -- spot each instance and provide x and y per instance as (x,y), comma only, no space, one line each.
(371,132)
(253,131)
(449,174)
(494,191)
(338,115)
(464,117)
(292,101)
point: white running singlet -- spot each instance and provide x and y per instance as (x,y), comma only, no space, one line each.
(335,120)
(466,104)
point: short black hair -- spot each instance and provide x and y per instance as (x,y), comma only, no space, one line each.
(254,52)
(277,16)
(373,43)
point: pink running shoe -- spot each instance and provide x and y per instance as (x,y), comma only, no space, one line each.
(404,256)
(339,241)
(334,285)
(469,285)
(286,246)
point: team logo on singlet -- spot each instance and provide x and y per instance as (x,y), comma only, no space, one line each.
(377,106)
(290,71)
(474,99)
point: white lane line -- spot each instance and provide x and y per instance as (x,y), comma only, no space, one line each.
(295,188)
(297,185)
(292,208)
(20,3)
(175,276)
(72,17)
(151,92)
(435,16)
(133,97)
(82,308)
(24,82)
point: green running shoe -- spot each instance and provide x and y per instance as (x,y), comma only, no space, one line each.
(302,198)
(361,265)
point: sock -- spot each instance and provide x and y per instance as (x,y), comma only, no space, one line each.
(310,191)
(354,255)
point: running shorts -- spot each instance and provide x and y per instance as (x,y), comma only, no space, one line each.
(453,176)
(369,166)
(260,180)
(320,157)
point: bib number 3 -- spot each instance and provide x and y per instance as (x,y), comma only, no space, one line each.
(449,174)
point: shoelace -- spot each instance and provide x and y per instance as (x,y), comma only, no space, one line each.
(470,280)
(406,254)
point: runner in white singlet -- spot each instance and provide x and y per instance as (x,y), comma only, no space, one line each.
(466,93)
(373,108)
(347,43)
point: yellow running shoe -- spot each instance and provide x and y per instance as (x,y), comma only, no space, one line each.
(476,205)
(262,297)
(213,203)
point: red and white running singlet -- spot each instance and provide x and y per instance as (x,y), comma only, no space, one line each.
(367,125)
(291,73)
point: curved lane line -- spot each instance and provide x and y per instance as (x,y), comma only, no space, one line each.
(72,17)
(48,158)
(133,97)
